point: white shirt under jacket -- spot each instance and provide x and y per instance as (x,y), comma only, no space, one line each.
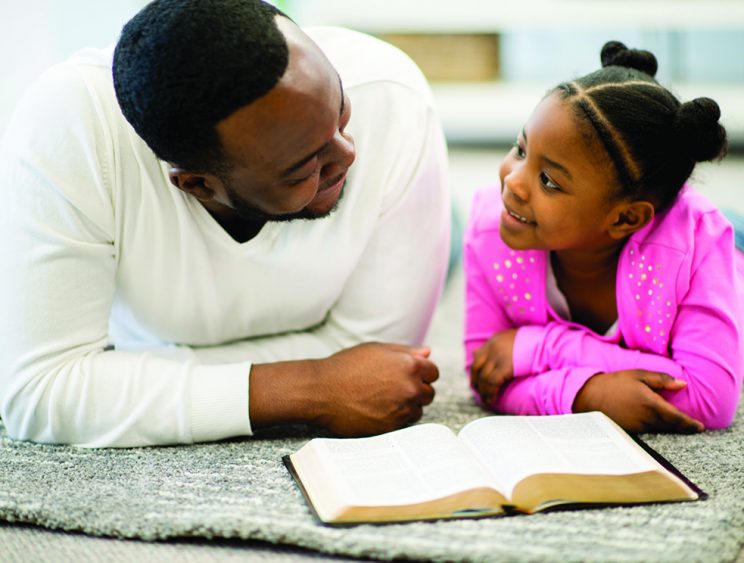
(97,248)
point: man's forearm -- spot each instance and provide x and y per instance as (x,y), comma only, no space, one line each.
(284,393)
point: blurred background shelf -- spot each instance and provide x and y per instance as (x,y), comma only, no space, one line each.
(490,62)
(472,16)
(494,113)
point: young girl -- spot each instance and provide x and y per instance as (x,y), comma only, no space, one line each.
(596,278)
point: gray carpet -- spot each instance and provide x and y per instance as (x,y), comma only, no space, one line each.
(240,489)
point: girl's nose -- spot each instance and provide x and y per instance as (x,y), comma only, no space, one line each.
(515,182)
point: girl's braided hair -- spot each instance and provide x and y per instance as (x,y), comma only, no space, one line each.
(652,139)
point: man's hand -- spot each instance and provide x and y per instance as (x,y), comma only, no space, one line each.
(631,398)
(374,388)
(492,365)
(368,389)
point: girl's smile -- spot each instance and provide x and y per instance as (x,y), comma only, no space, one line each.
(508,215)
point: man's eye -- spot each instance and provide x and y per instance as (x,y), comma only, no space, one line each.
(308,176)
(299,181)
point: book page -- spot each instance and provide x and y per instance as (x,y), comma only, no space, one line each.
(513,447)
(411,465)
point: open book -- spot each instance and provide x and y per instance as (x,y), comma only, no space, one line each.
(495,465)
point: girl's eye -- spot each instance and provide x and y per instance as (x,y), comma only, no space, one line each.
(519,151)
(548,184)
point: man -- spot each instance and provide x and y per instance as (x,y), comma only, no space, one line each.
(201,259)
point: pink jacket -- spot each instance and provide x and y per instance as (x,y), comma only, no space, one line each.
(680,312)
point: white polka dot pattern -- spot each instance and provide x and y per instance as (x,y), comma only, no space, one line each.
(512,279)
(653,306)
(518,280)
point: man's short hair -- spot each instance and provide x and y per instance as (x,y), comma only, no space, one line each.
(181,66)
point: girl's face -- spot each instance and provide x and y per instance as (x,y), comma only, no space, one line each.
(556,184)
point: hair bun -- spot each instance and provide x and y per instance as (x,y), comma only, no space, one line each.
(697,128)
(615,53)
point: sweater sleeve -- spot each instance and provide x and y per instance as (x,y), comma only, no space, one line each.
(550,392)
(705,342)
(484,314)
(58,382)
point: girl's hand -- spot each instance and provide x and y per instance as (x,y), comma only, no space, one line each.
(492,365)
(631,398)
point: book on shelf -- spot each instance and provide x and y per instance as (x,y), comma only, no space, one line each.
(495,465)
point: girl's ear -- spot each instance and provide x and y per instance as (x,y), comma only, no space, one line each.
(631,217)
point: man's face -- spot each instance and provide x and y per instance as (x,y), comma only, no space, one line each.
(288,152)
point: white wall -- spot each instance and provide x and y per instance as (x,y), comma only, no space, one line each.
(35,34)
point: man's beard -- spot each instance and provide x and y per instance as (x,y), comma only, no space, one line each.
(248,212)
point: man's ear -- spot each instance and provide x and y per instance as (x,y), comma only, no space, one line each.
(201,186)
(630,217)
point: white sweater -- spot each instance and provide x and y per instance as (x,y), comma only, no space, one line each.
(97,248)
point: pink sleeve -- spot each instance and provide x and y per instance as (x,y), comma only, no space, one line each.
(705,347)
(541,348)
(550,392)
(484,315)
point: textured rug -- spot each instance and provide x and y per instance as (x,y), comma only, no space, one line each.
(240,489)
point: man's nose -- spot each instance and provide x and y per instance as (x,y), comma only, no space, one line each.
(340,154)
(345,149)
